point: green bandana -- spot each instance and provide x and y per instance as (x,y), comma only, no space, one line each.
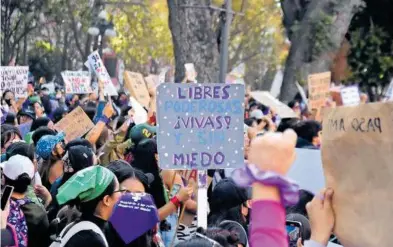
(87,184)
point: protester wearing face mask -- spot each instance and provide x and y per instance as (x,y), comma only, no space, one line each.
(94,191)
(9,100)
(75,159)
(135,181)
(32,231)
(50,149)
(145,159)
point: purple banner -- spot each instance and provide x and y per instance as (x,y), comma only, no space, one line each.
(134,215)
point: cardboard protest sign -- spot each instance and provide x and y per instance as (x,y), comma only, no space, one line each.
(318,90)
(102,74)
(15,79)
(152,80)
(136,86)
(350,96)
(307,170)
(357,159)
(75,124)
(200,126)
(134,215)
(77,82)
(267,99)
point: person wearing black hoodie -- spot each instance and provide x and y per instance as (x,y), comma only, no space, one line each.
(309,134)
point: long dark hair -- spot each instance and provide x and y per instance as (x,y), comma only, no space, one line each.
(9,132)
(20,184)
(234,214)
(124,171)
(39,122)
(145,160)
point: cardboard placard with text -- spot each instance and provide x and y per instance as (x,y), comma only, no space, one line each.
(267,99)
(15,80)
(75,124)
(318,90)
(136,86)
(357,159)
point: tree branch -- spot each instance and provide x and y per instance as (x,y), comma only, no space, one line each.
(74,29)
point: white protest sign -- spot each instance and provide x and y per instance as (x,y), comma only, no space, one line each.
(140,115)
(350,96)
(161,76)
(302,93)
(102,74)
(267,99)
(121,72)
(50,86)
(14,79)
(77,82)
(307,170)
(389,92)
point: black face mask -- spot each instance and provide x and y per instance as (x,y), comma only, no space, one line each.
(8,101)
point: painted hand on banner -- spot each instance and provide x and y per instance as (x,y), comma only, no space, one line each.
(274,151)
(320,212)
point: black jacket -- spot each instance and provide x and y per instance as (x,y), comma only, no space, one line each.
(37,225)
(88,238)
(302,143)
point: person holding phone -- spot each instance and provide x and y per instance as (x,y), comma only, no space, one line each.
(8,233)
(29,219)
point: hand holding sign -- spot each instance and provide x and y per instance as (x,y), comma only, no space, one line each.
(320,212)
(108,110)
(274,151)
(185,193)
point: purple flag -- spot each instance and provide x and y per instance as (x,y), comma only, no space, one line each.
(25,128)
(134,214)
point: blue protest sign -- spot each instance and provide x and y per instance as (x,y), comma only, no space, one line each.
(200,126)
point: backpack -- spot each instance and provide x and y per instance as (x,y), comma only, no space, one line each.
(16,219)
(75,227)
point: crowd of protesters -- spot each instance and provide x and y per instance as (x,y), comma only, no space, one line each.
(58,183)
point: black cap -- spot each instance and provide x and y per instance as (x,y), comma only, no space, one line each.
(226,195)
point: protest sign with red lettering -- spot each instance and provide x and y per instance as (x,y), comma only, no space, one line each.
(77,82)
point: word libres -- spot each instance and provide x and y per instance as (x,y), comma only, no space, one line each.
(204,92)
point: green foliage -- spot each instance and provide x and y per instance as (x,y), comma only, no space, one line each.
(371,57)
(319,35)
(143,32)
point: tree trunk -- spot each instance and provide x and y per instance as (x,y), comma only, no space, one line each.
(297,67)
(193,38)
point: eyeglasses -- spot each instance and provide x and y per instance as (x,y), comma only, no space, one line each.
(121,190)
